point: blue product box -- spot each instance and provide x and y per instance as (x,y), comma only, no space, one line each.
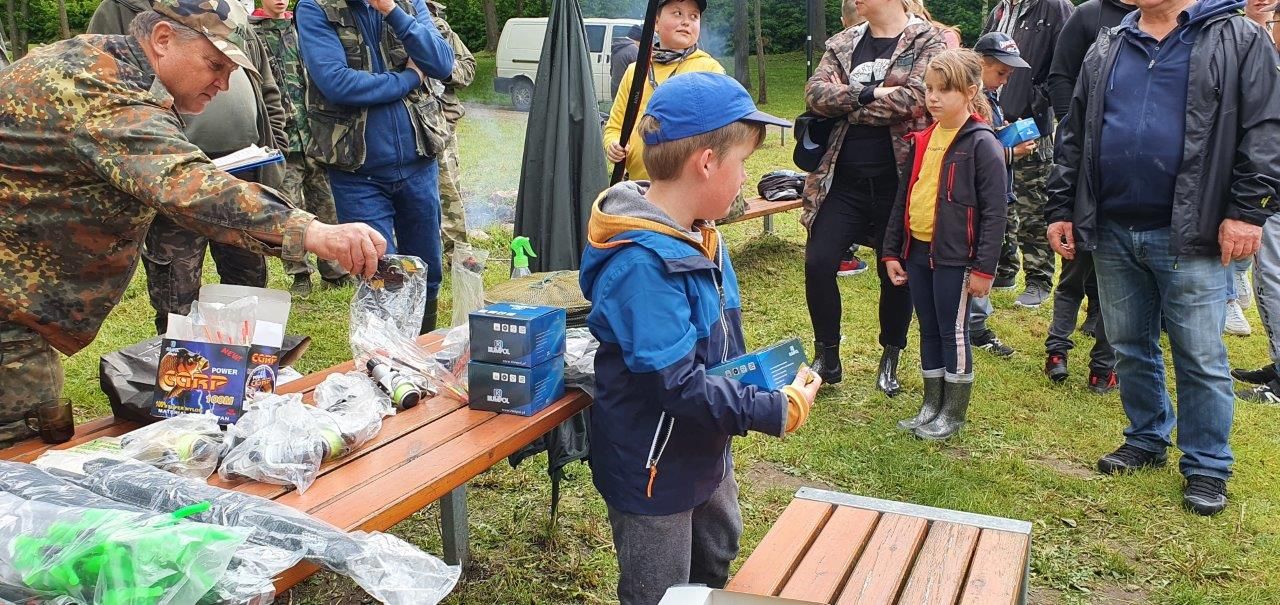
(197,377)
(770,368)
(517,335)
(1018,132)
(514,390)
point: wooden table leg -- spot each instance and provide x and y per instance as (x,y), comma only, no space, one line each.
(453,527)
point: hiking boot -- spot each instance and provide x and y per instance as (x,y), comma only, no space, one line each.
(345,281)
(301,285)
(929,406)
(1244,293)
(429,316)
(1268,392)
(826,362)
(1130,458)
(955,406)
(1055,366)
(887,374)
(1261,375)
(1204,495)
(851,267)
(992,344)
(1237,324)
(1102,382)
(1033,296)
(1090,326)
(1005,283)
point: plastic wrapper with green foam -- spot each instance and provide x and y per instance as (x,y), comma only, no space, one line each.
(187,445)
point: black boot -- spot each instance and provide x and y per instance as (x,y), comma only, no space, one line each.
(429,317)
(887,375)
(929,409)
(955,404)
(826,362)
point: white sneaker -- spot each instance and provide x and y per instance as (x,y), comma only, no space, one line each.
(1244,292)
(1236,325)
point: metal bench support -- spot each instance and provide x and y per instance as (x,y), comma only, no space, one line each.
(453,527)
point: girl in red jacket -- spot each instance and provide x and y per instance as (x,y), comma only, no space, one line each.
(946,228)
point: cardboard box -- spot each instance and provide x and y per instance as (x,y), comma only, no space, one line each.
(770,368)
(515,390)
(701,595)
(1018,132)
(517,335)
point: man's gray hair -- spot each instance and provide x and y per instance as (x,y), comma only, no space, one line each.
(145,23)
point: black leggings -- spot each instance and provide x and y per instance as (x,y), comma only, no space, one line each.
(854,212)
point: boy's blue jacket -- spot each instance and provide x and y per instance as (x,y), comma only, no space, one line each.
(665,307)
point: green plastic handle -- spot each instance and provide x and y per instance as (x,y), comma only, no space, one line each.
(521,250)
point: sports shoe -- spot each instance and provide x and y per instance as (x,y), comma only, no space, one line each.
(1055,366)
(1007,282)
(851,267)
(1102,382)
(1236,324)
(1204,495)
(301,285)
(1268,392)
(1244,292)
(1259,376)
(991,343)
(1032,297)
(1130,458)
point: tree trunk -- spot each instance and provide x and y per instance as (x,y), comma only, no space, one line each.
(20,40)
(818,28)
(62,19)
(11,25)
(519,8)
(762,95)
(490,25)
(741,44)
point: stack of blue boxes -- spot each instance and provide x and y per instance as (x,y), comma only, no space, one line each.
(517,358)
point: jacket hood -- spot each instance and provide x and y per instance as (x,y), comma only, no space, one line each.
(1199,13)
(621,43)
(974,124)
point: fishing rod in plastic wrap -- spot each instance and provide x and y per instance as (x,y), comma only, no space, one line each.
(643,61)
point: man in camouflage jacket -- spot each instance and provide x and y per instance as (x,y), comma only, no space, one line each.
(94,150)
(453,221)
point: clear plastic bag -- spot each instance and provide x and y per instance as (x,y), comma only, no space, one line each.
(375,338)
(112,557)
(455,353)
(397,293)
(468,281)
(388,568)
(580,360)
(187,445)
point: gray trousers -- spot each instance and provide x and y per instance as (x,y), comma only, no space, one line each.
(1266,284)
(695,546)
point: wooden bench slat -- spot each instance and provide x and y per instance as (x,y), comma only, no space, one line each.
(939,570)
(829,561)
(782,548)
(996,573)
(413,486)
(114,430)
(758,207)
(32,448)
(884,564)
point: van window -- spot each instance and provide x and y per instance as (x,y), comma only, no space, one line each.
(595,38)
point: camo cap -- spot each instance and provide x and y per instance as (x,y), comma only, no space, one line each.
(223,22)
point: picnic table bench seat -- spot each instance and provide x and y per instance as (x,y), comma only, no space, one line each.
(758,207)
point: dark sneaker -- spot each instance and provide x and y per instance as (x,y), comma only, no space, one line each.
(301,285)
(1204,495)
(1005,283)
(1055,366)
(1263,393)
(1102,382)
(991,343)
(1261,375)
(1129,458)
(1033,296)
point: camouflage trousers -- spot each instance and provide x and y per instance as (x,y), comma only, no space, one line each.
(453,221)
(1026,228)
(174,260)
(306,184)
(30,373)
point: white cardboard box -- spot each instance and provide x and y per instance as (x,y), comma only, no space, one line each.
(701,595)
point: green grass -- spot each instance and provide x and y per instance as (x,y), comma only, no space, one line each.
(1026,453)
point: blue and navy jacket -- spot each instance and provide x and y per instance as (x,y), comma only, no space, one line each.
(664,307)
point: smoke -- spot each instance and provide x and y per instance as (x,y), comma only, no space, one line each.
(490,154)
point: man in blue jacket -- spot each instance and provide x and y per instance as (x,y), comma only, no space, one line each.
(1166,169)
(373,103)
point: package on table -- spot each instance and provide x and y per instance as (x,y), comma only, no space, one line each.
(513,389)
(517,335)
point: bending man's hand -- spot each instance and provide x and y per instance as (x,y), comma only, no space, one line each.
(355,246)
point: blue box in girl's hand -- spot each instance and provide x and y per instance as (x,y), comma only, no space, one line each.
(770,368)
(1018,132)
(517,335)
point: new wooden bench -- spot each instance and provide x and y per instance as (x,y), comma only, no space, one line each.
(422,455)
(758,207)
(840,549)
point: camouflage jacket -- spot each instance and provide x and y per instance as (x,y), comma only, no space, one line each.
(92,150)
(902,111)
(280,38)
(464,73)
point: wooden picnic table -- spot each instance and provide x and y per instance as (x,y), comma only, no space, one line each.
(758,207)
(841,549)
(421,455)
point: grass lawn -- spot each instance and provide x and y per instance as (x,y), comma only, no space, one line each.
(1027,451)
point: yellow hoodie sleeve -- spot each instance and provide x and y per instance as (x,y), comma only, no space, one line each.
(613,128)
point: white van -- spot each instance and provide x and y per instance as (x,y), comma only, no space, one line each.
(520,48)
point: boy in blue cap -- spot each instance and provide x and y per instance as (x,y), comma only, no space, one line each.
(665,307)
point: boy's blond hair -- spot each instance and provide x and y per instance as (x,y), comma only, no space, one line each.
(664,161)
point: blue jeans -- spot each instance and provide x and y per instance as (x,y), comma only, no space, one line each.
(403,204)
(1138,281)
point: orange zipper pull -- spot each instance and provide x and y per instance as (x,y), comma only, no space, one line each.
(653,474)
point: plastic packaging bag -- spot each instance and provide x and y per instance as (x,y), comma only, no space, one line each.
(112,557)
(455,353)
(397,292)
(580,360)
(389,569)
(353,393)
(468,281)
(187,445)
(375,338)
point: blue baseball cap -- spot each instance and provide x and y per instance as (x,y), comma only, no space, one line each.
(699,102)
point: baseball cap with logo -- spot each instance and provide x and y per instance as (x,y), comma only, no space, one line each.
(699,102)
(1000,47)
(223,22)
